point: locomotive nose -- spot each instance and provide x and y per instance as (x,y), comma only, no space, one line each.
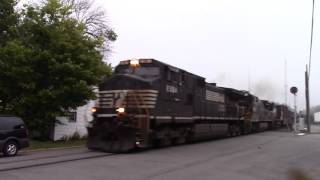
(126,81)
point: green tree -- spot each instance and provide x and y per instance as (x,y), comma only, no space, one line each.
(8,20)
(8,29)
(53,64)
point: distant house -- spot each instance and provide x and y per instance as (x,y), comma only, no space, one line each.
(74,123)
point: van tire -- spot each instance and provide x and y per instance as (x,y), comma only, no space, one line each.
(10,149)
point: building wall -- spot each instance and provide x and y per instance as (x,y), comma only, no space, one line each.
(317,117)
(67,128)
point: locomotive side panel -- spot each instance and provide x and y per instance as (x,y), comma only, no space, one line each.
(210,111)
(176,96)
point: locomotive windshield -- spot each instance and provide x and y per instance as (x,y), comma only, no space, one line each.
(144,72)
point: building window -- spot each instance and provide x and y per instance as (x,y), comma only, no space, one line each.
(72,116)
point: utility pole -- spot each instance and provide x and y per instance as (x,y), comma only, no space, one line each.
(307,99)
(308,71)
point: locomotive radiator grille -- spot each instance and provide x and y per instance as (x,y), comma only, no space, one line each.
(145,99)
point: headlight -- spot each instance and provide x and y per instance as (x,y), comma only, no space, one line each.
(120,110)
(93,109)
(134,62)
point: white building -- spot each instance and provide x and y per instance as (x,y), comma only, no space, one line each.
(75,123)
(317,117)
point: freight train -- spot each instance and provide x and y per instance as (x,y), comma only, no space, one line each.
(148,103)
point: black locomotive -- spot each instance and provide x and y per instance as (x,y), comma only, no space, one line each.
(148,103)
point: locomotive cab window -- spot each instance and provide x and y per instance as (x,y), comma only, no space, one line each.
(147,72)
(201,83)
(173,75)
(189,99)
(183,77)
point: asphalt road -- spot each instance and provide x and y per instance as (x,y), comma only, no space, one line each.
(268,155)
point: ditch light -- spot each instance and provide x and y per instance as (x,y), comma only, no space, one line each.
(121,110)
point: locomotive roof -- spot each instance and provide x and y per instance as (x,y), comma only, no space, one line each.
(237,93)
(160,63)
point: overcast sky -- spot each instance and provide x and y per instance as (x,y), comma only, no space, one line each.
(236,43)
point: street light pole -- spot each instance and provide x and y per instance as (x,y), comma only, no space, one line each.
(294,91)
(295,112)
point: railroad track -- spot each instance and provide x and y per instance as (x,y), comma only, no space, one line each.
(10,165)
(26,156)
